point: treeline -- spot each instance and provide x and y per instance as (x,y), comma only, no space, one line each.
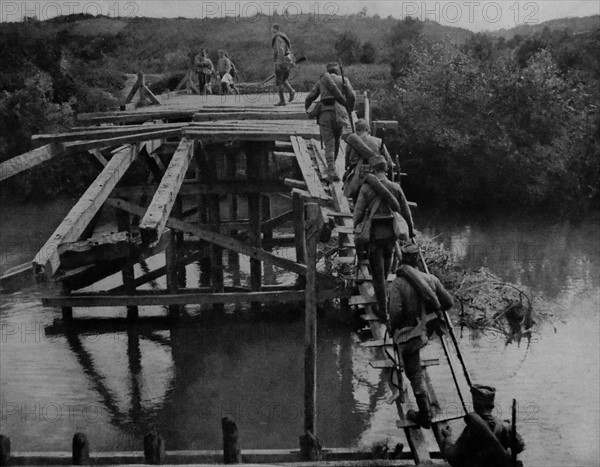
(486,120)
(499,124)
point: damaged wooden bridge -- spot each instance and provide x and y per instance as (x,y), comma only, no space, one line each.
(194,182)
(176,179)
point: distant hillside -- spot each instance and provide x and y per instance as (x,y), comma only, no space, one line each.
(573,25)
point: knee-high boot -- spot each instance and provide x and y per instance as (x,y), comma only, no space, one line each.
(423,417)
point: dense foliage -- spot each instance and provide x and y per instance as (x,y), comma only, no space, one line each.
(484,128)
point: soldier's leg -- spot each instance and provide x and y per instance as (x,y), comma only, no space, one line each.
(326,124)
(280,82)
(288,86)
(414,372)
(379,285)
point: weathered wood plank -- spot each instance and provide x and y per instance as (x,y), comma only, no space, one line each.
(149,299)
(315,188)
(47,260)
(218,239)
(30,159)
(100,143)
(103,132)
(158,212)
(244,115)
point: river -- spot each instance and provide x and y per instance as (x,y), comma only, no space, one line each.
(116,385)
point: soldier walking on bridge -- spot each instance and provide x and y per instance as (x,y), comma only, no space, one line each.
(379,199)
(337,101)
(205,69)
(485,440)
(415,300)
(284,62)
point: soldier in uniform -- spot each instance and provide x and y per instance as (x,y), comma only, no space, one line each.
(337,101)
(223,68)
(205,69)
(284,61)
(485,440)
(383,236)
(361,147)
(415,300)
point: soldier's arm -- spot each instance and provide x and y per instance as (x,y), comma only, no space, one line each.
(388,158)
(312,95)
(360,206)
(279,49)
(443,296)
(227,64)
(405,211)
(350,95)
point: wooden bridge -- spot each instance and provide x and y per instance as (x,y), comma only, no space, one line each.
(189,180)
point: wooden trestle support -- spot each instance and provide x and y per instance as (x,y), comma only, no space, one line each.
(205,164)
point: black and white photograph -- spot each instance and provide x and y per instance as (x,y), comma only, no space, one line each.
(300,233)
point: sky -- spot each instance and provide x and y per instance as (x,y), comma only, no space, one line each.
(475,15)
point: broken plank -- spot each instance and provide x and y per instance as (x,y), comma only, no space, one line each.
(218,239)
(158,212)
(30,159)
(315,188)
(47,260)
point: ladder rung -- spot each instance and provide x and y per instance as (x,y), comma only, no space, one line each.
(377,343)
(344,229)
(361,300)
(382,364)
(369,317)
(438,419)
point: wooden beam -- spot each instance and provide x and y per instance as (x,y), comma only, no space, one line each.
(246,115)
(217,238)
(30,159)
(278,220)
(104,132)
(78,146)
(150,299)
(313,181)
(47,260)
(158,212)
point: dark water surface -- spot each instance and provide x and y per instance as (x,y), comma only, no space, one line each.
(117,385)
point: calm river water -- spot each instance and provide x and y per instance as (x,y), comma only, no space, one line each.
(117,385)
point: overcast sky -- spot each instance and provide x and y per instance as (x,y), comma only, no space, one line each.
(476,15)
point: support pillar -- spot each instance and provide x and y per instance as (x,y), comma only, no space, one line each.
(127,272)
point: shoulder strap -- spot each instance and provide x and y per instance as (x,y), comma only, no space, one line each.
(374,206)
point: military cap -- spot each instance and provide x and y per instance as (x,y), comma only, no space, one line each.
(483,396)
(333,67)
(410,249)
(361,124)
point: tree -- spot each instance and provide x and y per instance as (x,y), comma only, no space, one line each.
(347,47)
(368,53)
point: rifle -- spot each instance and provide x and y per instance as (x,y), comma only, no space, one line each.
(346,96)
(300,60)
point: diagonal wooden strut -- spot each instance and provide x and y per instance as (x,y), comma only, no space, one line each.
(158,212)
(47,260)
(217,239)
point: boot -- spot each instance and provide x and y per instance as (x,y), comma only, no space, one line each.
(332,174)
(423,417)
(281,97)
(291,91)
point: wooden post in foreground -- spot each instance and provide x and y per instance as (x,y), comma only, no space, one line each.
(4,450)
(232,453)
(81,449)
(310,448)
(154,448)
